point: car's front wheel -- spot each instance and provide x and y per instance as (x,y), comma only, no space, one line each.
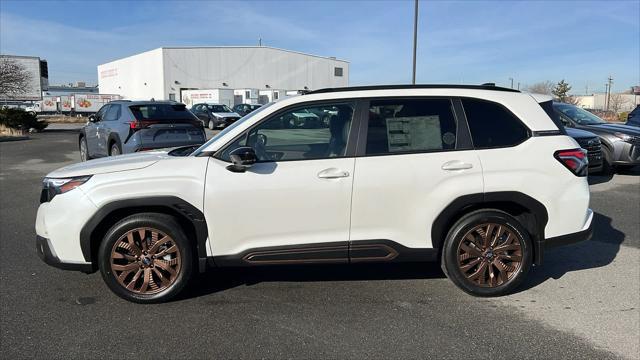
(487,253)
(146,258)
(212,124)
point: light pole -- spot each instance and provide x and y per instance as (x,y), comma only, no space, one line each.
(415,41)
(511,82)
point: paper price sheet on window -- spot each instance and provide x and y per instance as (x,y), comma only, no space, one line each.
(414,133)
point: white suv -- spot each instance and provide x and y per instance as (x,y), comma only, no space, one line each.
(480,178)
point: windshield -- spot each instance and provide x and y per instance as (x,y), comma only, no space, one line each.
(231,127)
(219,108)
(254,107)
(581,116)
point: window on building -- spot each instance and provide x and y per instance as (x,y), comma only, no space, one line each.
(337,71)
(410,125)
(247,94)
(492,125)
(276,94)
(172,97)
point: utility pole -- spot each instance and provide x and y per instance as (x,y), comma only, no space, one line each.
(610,82)
(260,41)
(606,91)
(415,41)
(511,82)
(518,85)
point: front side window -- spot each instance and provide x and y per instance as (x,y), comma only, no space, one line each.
(410,125)
(303,133)
(492,125)
(113,113)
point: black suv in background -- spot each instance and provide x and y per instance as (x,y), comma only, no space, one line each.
(633,119)
(590,142)
(244,109)
(620,143)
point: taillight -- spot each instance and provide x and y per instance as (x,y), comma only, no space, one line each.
(141,124)
(574,160)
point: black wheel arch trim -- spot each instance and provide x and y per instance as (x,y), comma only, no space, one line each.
(470,202)
(170,204)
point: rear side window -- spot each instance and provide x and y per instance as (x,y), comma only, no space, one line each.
(161,112)
(547,106)
(410,125)
(492,125)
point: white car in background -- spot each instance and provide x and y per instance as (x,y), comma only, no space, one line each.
(478,177)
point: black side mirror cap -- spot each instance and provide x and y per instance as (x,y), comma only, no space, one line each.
(242,158)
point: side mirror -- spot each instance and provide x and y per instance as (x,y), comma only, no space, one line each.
(92,118)
(242,158)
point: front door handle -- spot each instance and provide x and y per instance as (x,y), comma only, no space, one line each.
(456,165)
(332,173)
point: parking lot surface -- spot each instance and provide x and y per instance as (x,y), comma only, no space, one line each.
(582,303)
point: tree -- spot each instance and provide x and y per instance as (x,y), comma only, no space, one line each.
(14,78)
(561,91)
(544,87)
(617,102)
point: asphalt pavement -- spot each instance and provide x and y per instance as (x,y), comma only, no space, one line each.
(582,303)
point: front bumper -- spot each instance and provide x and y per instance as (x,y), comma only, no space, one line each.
(48,255)
(628,154)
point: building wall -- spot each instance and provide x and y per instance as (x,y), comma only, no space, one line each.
(137,77)
(167,71)
(599,101)
(31,65)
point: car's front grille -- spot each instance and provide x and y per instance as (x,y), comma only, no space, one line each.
(593,147)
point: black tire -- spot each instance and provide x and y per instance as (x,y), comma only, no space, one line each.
(211,125)
(607,160)
(84,149)
(165,224)
(115,148)
(452,265)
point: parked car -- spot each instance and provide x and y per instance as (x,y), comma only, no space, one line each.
(590,142)
(620,143)
(633,119)
(403,173)
(215,115)
(244,109)
(122,127)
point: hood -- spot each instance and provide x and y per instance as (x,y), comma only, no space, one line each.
(110,164)
(225,114)
(579,134)
(625,129)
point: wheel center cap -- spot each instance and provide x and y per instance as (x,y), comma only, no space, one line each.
(489,254)
(146,260)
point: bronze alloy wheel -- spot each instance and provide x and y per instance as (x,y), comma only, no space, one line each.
(145,261)
(490,254)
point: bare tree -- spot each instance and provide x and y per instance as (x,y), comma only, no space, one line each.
(14,78)
(545,87)
(617,102)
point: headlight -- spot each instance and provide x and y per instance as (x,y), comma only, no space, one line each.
(621,136)
(55,186)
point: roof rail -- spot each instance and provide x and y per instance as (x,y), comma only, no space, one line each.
(486,86)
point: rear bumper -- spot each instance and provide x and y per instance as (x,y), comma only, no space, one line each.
(572,238)
(46,253)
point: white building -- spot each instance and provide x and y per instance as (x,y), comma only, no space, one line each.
(622,101)
(164,72)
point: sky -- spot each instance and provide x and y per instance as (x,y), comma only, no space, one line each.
(469,42)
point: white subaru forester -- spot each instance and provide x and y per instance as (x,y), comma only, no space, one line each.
(481,178)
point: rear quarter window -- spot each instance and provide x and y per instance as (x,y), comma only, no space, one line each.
(492,125)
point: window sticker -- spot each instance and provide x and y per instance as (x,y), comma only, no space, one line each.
(414,133)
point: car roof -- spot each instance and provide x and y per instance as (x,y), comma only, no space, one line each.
(486,86)
(145,102)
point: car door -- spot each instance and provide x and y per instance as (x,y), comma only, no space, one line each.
(293,205)
(414,158)
(107,125)
(91,132)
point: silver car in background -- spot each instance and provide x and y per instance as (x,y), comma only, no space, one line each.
(122,127)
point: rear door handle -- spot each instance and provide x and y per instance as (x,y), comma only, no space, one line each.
(456,165)
(332,173)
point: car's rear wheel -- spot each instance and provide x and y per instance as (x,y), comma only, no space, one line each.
(487,253)
(114,149)
(84,150)
(146,258)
